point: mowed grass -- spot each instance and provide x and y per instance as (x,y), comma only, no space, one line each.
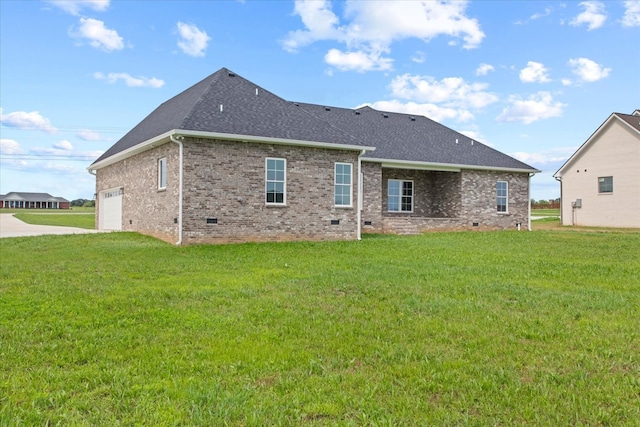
(545,212)
(490,328)
(80,220)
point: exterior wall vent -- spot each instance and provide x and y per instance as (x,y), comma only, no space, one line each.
(335,222)
(367,223)
(212,220)
(475,224)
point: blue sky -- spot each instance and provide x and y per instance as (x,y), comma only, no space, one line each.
(533,79)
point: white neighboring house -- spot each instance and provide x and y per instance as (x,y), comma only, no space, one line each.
(600,183)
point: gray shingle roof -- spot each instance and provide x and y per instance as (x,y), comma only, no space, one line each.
(632,119)
(405,137)
(227,103)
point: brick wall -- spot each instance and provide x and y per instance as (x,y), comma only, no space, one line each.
(145,208)
(225,182)
(444,200)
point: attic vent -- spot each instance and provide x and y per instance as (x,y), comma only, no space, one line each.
(357,113)
(413,119)
(327,109)
(385,115)
(232,74)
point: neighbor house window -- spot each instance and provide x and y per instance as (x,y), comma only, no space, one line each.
(400,195)
(342,186)
(502,194)
(276,181)
(605,184)
(162,173)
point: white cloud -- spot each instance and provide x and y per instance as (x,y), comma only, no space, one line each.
(593,15)
(432,111)
(129,80)
(536,107)
(370,28)
(75,6)
(358,61)
(547,12)
(98,35)
(453,92)
(588,70)
(554,156)
(483,69)
(89,135)
(63,145)
(631,16)
(193,41)
(23,120)
(10,146)
(534,72)
(419,57)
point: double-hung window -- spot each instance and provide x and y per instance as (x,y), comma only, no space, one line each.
(342,184)
(502,195)
(605,184)
(162,173)
(275,181)
(400,195)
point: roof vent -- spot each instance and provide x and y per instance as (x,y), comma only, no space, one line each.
(385,115)
(256,91)
(357,113)
(413,119)
(327,109)
(232,74)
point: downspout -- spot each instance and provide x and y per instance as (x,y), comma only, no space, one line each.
(529,201)
(178,141)
(559,179)
(360,194)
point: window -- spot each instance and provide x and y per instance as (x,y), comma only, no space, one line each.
(342,190)
(605,184)
(162,173)
(276,177)
(400,196)
(502,194)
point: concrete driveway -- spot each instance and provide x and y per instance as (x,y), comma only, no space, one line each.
(13,227)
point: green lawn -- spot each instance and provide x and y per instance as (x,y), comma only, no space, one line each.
(81,220)
(73,210)
(545,212)
(469,328)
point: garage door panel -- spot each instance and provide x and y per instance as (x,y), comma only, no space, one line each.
(111,210)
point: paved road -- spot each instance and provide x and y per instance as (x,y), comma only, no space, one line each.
(13,227)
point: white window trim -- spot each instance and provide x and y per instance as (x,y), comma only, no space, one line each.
(413,195)
(162,161)
(335,184)
(284,182)
(605,193)
(506,198)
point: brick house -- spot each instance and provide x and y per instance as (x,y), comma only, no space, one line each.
(600,182)
(227,161)
(22,200)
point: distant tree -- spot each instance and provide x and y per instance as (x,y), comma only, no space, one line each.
(79,202)
(89,204)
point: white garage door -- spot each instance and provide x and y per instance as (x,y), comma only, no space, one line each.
(110,216)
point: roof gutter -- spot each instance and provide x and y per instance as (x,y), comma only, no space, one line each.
(178,140)
(166,137)
(444,167)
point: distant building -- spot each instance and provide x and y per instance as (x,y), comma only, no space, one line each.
(16,200)
(600,183)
